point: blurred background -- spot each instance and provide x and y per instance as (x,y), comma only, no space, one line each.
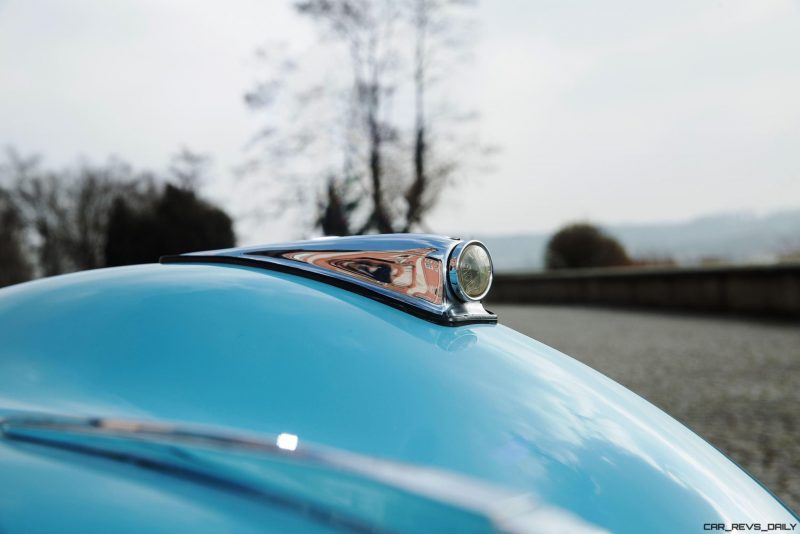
(634,167)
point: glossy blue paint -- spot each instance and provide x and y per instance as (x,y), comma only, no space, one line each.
(49,491)
(268,352)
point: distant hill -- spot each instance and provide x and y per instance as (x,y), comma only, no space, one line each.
(727,237)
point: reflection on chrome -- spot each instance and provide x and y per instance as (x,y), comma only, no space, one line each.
(409,271)
(310,480)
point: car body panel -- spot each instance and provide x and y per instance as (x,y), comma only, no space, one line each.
(52,491)
(269,352)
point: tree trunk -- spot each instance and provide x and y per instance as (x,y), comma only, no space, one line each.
(416,191)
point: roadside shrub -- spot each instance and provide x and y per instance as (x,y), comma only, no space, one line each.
(583,245)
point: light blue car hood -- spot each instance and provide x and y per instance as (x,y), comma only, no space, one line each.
(266,352)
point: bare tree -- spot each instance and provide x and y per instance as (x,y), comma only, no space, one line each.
(188,169)
(334,209)
(14,266)
(39,199)
(434,32)
(68,210)
(389,170)
(65,220)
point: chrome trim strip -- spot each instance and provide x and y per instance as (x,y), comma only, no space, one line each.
(408,271)
(178,449)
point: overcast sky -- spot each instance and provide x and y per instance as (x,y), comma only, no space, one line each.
(615,111)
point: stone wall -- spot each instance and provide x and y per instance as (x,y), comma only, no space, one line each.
(771,290)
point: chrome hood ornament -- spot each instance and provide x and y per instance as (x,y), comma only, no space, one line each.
(438,278)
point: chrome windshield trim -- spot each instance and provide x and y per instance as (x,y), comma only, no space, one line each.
(299,475)
(407,271)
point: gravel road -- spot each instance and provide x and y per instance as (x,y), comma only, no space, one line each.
(735,382)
